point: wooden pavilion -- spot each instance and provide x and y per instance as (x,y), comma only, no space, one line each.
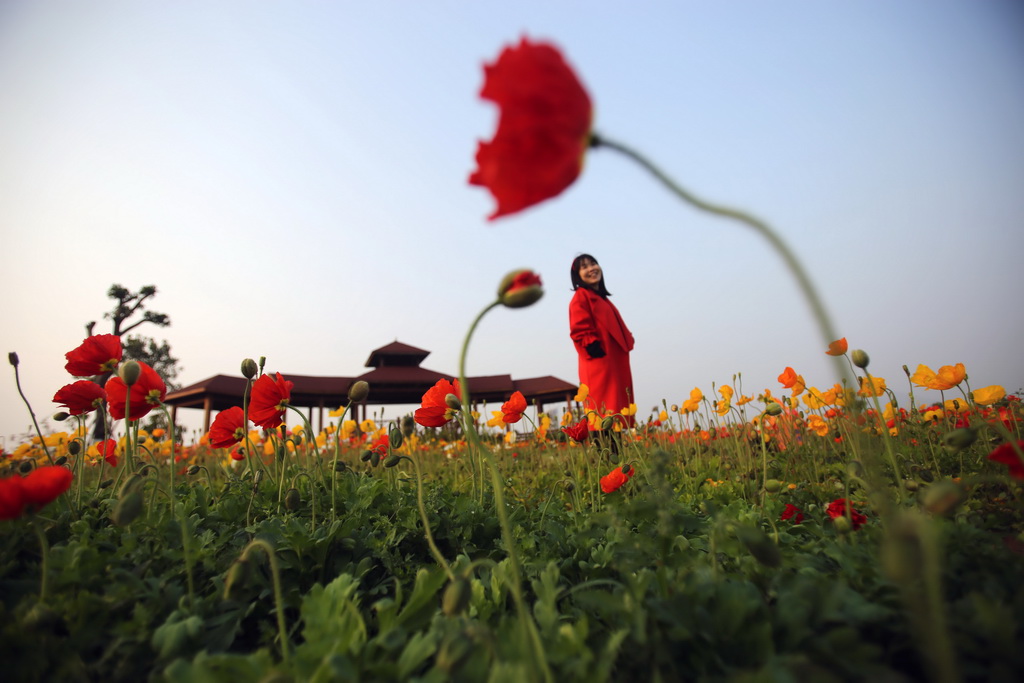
(396,378)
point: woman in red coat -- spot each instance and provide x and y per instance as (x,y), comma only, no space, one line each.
(602,340)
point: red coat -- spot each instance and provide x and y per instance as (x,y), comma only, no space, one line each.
(594,318)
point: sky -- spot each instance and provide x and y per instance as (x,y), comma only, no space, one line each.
(292,177)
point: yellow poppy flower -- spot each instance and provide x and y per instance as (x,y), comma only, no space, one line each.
(582,394)
(496,419)
(817,424)
(986,396)
(871,386)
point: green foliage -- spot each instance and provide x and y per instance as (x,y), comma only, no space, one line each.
(670,578)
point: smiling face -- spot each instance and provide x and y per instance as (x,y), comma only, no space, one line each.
(590,273)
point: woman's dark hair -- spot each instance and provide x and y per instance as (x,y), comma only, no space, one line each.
(574,273)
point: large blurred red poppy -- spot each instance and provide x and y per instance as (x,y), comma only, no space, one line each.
(228,428)
(1005,454)
(147,392)
(269,400)
(94,356)
(43,484)
(513,409)
(11,502)
(83,396)
(543,127)
(434,410)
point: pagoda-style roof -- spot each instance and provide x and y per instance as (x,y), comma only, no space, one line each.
(396,379)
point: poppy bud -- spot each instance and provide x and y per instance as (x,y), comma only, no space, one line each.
(106,483)
(340,466)
(392,460)
(129,372)
(453,401)
(408,426)
(292,499)
(61,416)
(760,546)
(194,469)
(374,458)
(262,363)
(75,447)
(520,288)
(358,391)
(772,485)
(911,485)
(842,524)
(26,466)
(959,439)
(626,469)
(257,479)
(860,358)
(607,422)
(942,497)
(127,509)
(365,457)
(61,460)
(569,487)
(674,408)
(456,597)
(773,409)
(249,368)
(12,358)
(395,437)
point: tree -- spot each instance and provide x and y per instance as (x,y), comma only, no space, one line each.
(137,347)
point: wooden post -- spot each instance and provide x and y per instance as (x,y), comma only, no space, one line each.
(207,406)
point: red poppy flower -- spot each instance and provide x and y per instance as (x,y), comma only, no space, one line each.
(147,392)
(380,446)
(238,453)
(11,501)
(578,432)
(543,127)
(792,512)
(616,478)
(83,396)
(1005,454)
(837,508)
(269,400)
(838,347)
(228,428)
(94,356)
(434,410)
(513,408)
(108,451)
(43,484)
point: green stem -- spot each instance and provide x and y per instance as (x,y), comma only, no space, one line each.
(276,577)
(434,550)
(44,568)
(35,423)
(759,226)
(525,619)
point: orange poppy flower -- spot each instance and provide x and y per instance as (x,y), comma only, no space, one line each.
(512,410)
(616,478)
(434,410)
(838,347)
(543,127)
(947,377)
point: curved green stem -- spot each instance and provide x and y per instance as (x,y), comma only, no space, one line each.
(434,550)
(759,226)
(525,619)
(276,577)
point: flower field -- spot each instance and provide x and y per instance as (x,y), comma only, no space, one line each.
(839,532)
(810,535)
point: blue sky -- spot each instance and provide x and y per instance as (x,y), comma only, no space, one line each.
(292,177)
